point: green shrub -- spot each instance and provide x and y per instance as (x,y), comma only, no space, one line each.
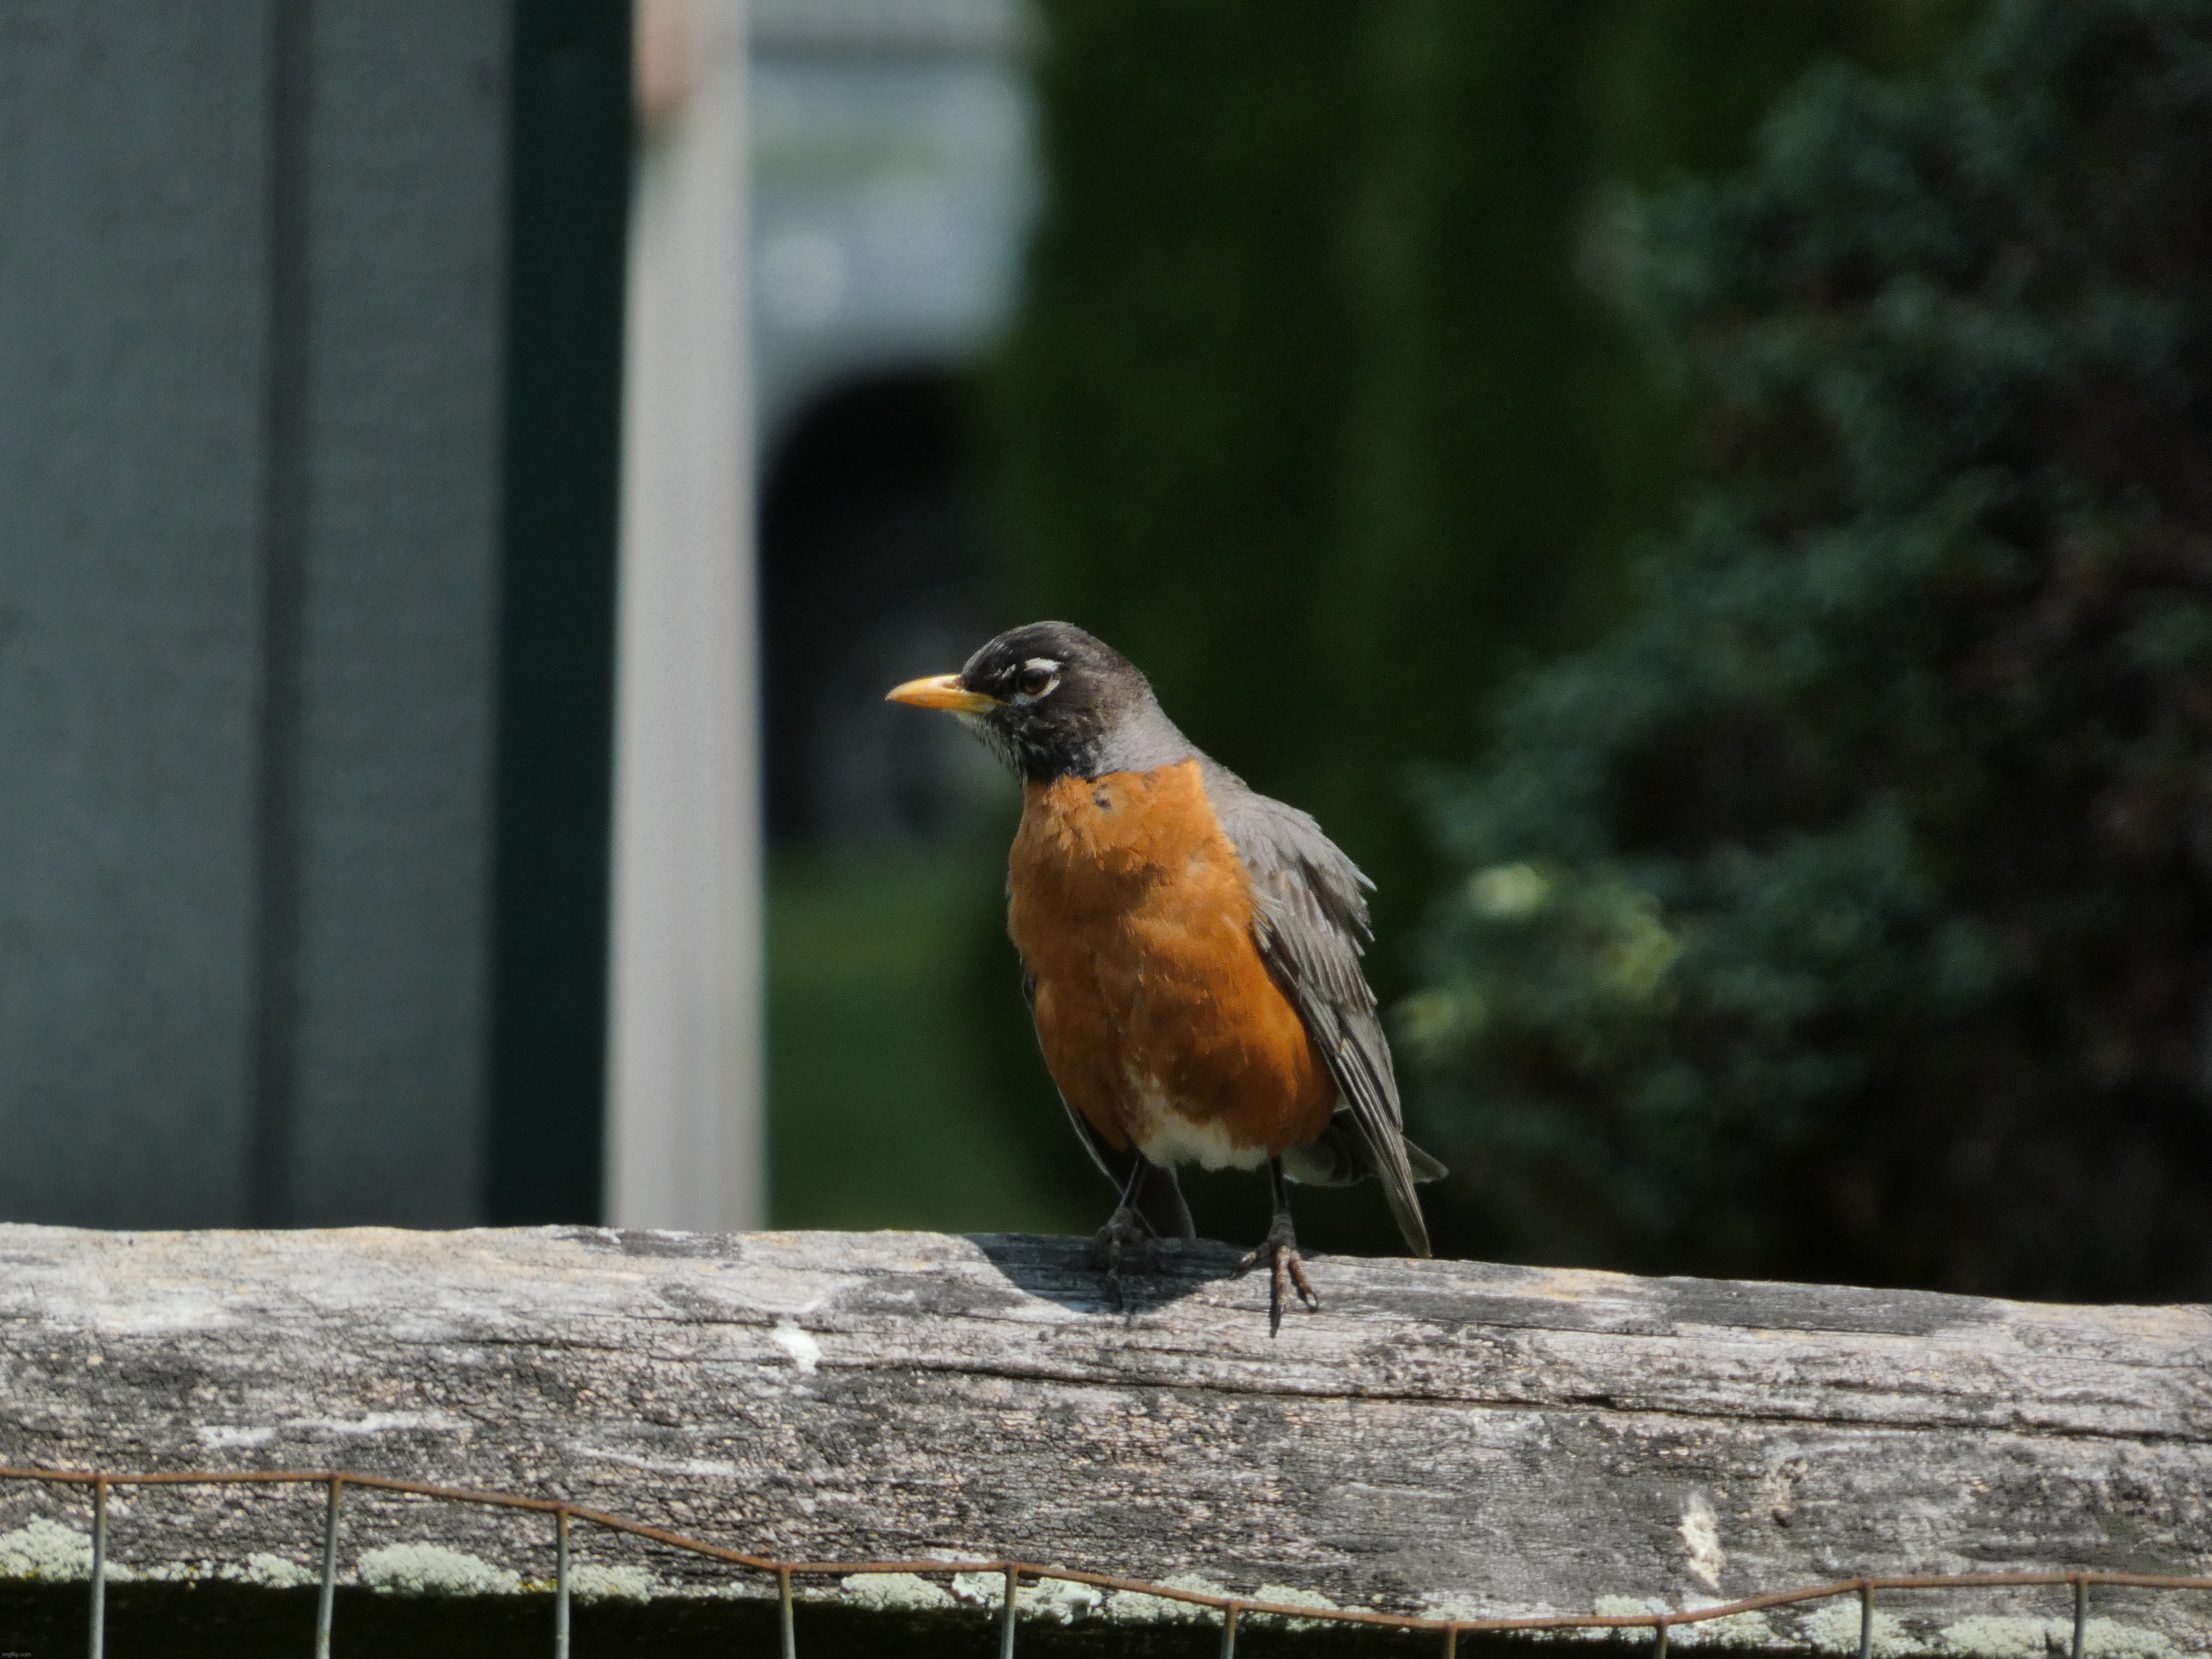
(1849,915)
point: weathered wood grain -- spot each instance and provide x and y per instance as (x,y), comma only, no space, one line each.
(1445,1437)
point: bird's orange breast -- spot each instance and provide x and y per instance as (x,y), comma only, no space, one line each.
(1159,1021)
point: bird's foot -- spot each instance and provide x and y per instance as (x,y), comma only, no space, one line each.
(1125,1238)
(1287,1271)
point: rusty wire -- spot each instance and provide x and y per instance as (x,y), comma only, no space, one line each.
(1230,1608)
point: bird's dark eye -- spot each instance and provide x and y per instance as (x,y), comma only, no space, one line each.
(1034,681)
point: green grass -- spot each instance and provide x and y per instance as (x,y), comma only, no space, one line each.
(887,1106)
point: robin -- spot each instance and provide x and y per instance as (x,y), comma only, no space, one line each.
(1190,952)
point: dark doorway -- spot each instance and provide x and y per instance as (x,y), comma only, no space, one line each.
(874,568)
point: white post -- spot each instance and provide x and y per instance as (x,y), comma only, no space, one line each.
(684,1137)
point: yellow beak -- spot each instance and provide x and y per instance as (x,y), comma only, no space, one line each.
(941,691)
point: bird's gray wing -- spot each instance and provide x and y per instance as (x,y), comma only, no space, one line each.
(1311,925)
(1159,1196)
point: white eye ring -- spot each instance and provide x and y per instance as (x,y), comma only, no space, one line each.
(1031,670)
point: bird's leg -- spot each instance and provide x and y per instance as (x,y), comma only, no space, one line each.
(1279,1249)
(1125,1230)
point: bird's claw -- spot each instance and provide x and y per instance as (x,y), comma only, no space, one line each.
(1287,1272)
(1124,1236)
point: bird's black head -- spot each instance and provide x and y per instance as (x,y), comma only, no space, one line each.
(1053,701)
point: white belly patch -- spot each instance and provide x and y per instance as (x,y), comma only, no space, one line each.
(1165,1136)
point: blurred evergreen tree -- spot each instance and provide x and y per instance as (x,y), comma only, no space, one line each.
(1849,915)
(1170,413)
(1321,406)
(1318,407)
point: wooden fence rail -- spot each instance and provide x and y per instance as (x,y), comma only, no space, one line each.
(1454,1441)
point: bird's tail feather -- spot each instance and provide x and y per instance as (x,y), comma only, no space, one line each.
(1342,1157)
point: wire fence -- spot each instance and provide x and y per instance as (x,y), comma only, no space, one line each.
(565,1516)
